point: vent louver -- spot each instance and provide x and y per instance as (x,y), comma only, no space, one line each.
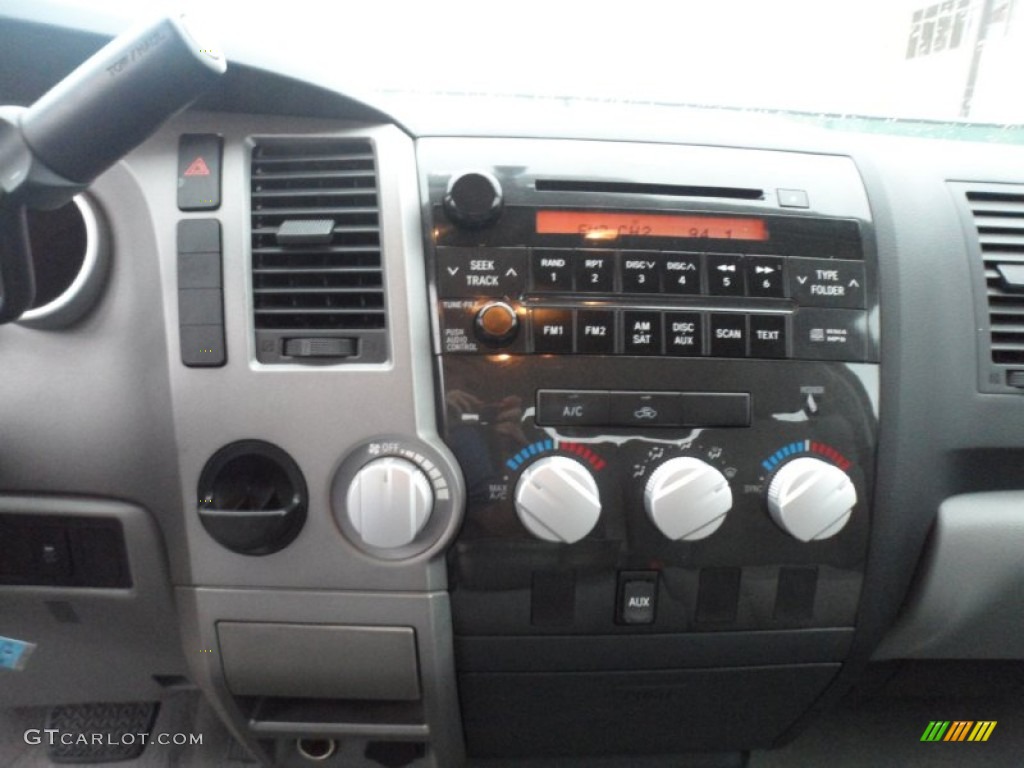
(999,219)
(317,270)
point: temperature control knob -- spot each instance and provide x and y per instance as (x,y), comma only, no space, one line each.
(389,501)
(557,500)
(811,499)
(687,499)
(473,200)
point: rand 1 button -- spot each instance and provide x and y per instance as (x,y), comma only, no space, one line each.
(830,334)
(552,269)
(595,332)
(681,273)
(728,334)
(640,271)
(725,274)
(768,336)
(565,408)
(552,331)
(684,334)
(595,271)
(641,333)
(469,272)
(833,283)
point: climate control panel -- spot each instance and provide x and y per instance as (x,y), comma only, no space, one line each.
(718,495)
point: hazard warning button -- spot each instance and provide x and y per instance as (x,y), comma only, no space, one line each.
(199,156)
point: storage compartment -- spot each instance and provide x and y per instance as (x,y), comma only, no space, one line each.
(665,712)
(314,661)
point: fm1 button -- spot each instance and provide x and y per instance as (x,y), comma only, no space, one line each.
(637,596)
(552,331)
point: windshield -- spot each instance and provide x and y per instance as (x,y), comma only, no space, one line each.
(957,60)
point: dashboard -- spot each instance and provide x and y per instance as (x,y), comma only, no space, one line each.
(478,428)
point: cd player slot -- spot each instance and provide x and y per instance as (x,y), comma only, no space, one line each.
(634,188)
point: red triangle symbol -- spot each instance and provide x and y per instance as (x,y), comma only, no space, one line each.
(198,168)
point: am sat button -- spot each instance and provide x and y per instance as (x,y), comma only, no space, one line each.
(561,408)
(642,331)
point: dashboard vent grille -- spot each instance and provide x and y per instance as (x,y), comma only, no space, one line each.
(316,253)
(999,218)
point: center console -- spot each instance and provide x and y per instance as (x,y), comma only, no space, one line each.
(658,371)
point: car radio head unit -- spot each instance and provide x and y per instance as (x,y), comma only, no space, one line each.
(661,383)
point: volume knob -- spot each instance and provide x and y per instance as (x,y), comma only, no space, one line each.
(473,200)
(811,499)
(687,499)
(558,500)
(496,323)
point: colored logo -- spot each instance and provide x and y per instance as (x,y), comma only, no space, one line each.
(958,730)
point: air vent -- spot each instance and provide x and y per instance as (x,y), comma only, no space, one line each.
(317,270)
(999,218)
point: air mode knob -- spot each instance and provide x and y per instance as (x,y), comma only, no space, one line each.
(557,500)
(389,501)
(473,200)
(811,499)
(687,499)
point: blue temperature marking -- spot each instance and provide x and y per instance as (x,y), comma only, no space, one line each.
(531,450)
(787,450)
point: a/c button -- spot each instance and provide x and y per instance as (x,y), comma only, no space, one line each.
(562,408)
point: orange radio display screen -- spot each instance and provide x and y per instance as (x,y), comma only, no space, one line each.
(609,225)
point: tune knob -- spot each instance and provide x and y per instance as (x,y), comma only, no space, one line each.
(687,499)
(496,323)
(473,200)
(389,501)
(557,500)
(811,499)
